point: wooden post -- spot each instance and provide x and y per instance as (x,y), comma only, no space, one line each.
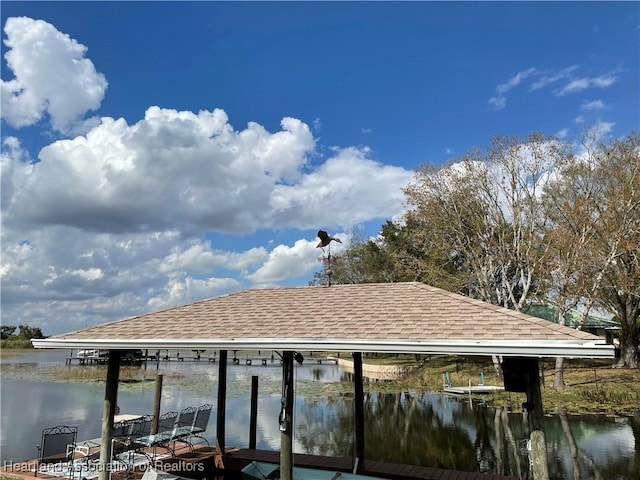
(539,456)
(359,410)
(253,419)
(535,417)
(156,405)
(534,394)
(286,418)
(222,401)
(109,410)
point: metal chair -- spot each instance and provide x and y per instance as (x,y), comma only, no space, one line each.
(56,446)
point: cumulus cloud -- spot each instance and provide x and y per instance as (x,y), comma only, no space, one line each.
(349,188)
(287,262)
(120,218)
(195,172)
(170,170)
(184,290)
(117,216)
(51,75)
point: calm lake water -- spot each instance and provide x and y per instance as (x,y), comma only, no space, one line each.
(419,428)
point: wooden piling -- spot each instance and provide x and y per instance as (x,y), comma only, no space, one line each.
(535,418)
(222,401)
(359,410)
(110,402)
(286,418)
(253,419)
(539,456)
(156,404)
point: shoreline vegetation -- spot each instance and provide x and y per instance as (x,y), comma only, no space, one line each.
(591,386)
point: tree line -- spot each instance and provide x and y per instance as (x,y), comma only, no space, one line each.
(527,220)
(20,336)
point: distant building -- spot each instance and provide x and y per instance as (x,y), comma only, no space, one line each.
(603,327)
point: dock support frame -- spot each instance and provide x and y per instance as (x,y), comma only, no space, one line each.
(222,402)
(110,402)
(359,411)
(286,417)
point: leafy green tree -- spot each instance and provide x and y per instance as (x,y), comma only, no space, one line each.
(6,331)
(27,333)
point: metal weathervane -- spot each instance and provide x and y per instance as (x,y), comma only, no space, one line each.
(325,241)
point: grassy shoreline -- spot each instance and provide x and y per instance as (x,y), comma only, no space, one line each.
(591,387)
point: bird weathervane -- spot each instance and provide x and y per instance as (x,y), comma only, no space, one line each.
(325,241)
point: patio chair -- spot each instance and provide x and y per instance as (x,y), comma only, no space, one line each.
(166,426)
(201,423)
(186,417)
(56,446)
(141,427)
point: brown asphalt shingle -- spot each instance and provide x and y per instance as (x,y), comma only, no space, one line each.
(363,311)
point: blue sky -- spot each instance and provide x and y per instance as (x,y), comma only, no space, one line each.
(156,153)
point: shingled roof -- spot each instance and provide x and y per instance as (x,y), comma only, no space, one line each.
(389,317)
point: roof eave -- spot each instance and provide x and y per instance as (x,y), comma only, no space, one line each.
(519,348)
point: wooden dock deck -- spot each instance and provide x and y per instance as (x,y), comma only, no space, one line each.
(197,461)
(204,462)
(238,459)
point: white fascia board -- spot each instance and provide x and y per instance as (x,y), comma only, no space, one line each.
(518,348)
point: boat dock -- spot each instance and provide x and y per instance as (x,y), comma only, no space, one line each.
(95,357)
(204,462)
(238,459)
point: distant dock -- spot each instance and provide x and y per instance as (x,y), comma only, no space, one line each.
(138,357)
(473,389)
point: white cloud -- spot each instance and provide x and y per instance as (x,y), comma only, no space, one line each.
(51,75)
(171,169)
(200,257)
(592,105)
(89,273)
(289,262)
(347,189)
(185,290)
(499,102)
(580,84)
(548,78)
(514,81)
(111,223)
(600,129)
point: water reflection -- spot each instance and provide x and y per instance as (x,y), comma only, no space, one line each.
(418,428)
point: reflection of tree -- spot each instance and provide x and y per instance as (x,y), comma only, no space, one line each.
(498,430)
(576,453)
(395,431)
(431,430)
(485,454)
(509,437)
(326,427)
(390,417)
(635,428)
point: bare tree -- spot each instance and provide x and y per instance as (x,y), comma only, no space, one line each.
(487,211)
(594,206)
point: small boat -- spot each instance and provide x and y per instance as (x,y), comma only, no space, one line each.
(271,471)
(92,354)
